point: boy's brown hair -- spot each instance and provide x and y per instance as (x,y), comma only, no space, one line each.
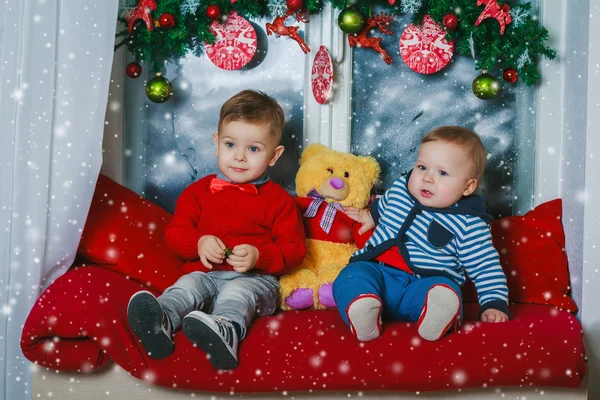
(464,138)
(254,107)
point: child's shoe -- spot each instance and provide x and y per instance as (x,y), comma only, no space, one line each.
(150,323)
(440,312)
(215,335)
(364,316)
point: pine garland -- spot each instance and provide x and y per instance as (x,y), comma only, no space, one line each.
(521,45)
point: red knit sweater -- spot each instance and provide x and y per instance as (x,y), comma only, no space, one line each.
(268,221)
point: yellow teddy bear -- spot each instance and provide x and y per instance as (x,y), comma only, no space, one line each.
(327,181)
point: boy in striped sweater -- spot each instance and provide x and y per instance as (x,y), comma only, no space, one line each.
(430,230)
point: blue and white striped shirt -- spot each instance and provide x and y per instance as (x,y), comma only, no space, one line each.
(433,241)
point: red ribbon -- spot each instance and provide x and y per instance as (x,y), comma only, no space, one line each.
(216,185)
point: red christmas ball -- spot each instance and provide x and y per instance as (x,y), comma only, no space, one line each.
(295,5)
(166,20)
(133,69)
(510,75)
(451,21)
(213,12)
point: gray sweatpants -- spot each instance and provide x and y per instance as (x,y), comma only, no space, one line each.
(239,297)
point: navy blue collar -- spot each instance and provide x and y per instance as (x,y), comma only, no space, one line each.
(472,205)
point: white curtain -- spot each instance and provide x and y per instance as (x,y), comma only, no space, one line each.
(55,66)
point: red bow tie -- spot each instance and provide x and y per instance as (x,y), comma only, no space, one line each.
(216,185)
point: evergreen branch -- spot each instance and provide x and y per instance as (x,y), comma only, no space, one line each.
(493,52)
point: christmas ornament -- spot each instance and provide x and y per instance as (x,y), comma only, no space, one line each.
(361,40)
(189,7)
(485,86)
(410,6)
(166,21)
(424,48)
(278,27)
(519,16)
(351,21)
(277,7)
(510,75)
(523,59)
(213,12)
(142,11)
(294,5)
(159,89)
(133,69)
(322,76)
(451,21)
(235,43)
(493,10)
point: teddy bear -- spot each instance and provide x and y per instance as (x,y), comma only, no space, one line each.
(326,182)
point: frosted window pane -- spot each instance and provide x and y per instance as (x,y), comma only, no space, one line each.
(170,145)
(393,107)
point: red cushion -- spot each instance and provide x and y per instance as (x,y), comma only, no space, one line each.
(532,255)
(80,320)
(125,233)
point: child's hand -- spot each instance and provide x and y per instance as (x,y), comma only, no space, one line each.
(243,257)
(493,315)
(211,248)
(363,216)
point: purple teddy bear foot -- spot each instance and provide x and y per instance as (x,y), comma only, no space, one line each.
(300,299)
(326,295)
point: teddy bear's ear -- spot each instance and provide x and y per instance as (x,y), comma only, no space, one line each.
(371,167)
(311,150)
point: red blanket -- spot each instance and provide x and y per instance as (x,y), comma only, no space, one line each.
(80,321)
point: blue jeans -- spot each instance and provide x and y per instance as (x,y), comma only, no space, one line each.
(402,294)
(239,297)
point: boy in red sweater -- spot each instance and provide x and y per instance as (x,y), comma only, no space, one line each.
(236,230)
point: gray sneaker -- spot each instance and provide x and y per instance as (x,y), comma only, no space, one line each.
(215,335)
(150,323)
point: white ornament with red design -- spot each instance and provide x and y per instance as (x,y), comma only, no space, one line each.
(322,76)
(424,48)
(235,43)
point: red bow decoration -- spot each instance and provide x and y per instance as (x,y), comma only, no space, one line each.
(216,185)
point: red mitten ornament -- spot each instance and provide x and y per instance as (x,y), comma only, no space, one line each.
(142,11)
(493,10)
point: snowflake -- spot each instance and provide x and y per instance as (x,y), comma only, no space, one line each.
(519,16)
(523,59)
(189,7)
(126,5)
(277,7)
(411,6)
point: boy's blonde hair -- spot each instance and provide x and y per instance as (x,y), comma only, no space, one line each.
(464,138)
(254,107)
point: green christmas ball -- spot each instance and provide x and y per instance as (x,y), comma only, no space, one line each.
(351,21)
(485,86)
(159,89)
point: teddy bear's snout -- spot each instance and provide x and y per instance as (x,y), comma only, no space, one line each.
(336,183)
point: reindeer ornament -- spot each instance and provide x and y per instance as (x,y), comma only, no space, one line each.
(382,21)
(280,29)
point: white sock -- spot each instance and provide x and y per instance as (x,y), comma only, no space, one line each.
(364,315)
